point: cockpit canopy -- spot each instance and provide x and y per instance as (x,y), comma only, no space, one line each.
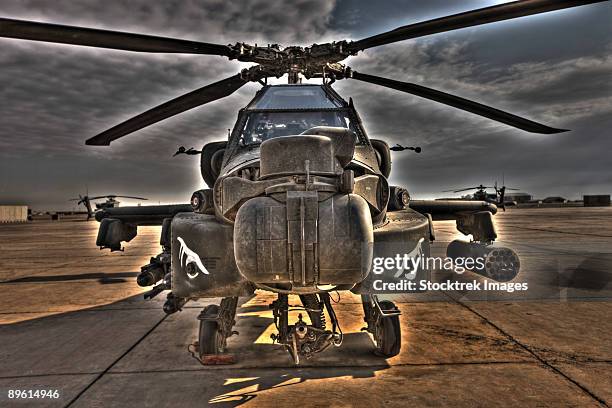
(292,109)
(295,97)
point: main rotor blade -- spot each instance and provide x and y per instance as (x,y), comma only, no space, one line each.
(91,37)
(472,18)
(183,103)
(465,189)
(459,103)
(136,198)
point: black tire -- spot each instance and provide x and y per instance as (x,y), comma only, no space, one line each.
(210,338)
(388,334)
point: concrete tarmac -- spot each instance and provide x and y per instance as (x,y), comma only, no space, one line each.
(72,319)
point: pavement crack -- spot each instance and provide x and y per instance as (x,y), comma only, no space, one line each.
(381,366)
(106,370)
(533,353)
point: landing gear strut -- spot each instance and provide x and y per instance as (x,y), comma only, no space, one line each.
(216,322)
(382,319)
(302,339)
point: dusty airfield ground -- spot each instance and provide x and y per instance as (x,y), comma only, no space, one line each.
(73,319)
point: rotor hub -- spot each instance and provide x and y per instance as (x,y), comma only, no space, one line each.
(312,62)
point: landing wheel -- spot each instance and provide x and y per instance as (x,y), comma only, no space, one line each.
(211,339)
(387,332)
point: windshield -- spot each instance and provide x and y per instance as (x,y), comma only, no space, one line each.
(262,126)
(294,97)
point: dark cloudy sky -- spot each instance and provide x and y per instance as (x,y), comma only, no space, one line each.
(554,68)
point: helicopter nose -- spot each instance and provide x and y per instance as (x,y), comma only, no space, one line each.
(306,231)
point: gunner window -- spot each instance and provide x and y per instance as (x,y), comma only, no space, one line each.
(262,126)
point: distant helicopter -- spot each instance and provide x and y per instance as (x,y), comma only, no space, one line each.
(190,152)
(110,202)
(398,148)
(481,194)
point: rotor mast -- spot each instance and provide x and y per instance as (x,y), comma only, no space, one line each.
(294,77)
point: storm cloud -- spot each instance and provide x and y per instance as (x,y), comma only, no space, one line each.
(555,68)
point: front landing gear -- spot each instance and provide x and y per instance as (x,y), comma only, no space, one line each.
(216,322)
(382,318)
(302,339)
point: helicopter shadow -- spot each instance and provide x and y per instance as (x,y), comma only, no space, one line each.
(256,325)
(101,277)
(593,273)
(78,341)
(238,391)
(268,367)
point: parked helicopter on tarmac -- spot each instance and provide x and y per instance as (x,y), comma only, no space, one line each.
(111,202)
(299,202)
(498,197)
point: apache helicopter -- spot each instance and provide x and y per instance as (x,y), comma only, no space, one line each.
(498,198)
(299,202)
(111,202)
